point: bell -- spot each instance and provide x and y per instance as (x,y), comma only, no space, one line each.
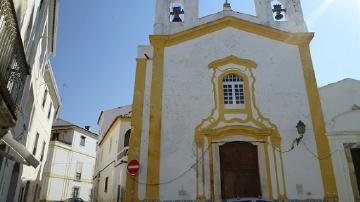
(279,16)
(177,18)
(176,13)
(278,9)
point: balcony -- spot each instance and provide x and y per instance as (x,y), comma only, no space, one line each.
(13,66)
(121,157)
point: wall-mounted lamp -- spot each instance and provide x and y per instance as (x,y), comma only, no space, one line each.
(301,127)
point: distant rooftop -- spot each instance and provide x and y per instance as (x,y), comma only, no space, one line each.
(123,112)
(62,123)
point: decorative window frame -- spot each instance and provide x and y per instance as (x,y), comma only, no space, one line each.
(222,106)
(243,68)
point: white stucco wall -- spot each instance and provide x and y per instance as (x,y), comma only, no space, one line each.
(33,116)
(342,123)
(108,165)
(188,98)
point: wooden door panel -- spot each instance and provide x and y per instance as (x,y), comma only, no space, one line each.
(239,170)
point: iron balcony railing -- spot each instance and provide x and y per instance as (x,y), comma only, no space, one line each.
(13,66)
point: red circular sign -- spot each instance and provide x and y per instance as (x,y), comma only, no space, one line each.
(133,167)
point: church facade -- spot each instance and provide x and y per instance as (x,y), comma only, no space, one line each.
(227,106)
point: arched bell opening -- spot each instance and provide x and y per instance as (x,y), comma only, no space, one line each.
(279,10)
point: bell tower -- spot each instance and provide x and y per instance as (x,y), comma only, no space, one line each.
(175,13)
(283,14)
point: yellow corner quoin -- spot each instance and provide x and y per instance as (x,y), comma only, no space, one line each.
(153,168)
(136,125)
(322,143)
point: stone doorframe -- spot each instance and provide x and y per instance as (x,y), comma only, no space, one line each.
(261,161)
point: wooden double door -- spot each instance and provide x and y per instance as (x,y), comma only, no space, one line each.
(239,170)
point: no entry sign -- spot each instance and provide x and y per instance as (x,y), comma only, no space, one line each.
(133,167)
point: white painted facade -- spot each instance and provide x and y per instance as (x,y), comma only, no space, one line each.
(70,163)
(112,157)
(40,103)
(340,102)
(190,102)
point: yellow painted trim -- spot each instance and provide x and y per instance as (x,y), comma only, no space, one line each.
(212,177)
(113,125)
(322,143)
(233,60)
(54,175)
(263,129)
(261,30)
(268,172)
(136,125)
(276,174)
(69,148)
(154,147)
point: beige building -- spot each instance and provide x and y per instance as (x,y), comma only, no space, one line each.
(70,164)
(112,152)
(34,102)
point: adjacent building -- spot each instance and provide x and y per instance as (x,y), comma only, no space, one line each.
(227,106)
(112,152)
(70,163)
(28,35)
(341,104)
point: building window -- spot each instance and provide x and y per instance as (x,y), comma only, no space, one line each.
(127,138)
(79,166)
(106,184)
(44,98)
(55,137)
(76,192)
(110,145)
(233,91)
(82,140)
(50,109)
(42,151)
(35,144)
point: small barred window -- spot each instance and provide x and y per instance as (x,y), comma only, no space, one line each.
(233,89)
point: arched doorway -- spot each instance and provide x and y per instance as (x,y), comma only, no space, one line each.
(239,170)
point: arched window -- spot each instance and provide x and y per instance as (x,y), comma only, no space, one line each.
(127,138)
(233,91)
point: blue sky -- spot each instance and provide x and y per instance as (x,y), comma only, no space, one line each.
(97,42)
